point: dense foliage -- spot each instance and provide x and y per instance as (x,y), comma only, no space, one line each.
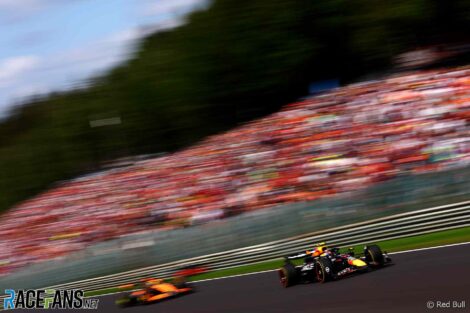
(235,61)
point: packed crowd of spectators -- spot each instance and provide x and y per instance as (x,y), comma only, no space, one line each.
(333,143)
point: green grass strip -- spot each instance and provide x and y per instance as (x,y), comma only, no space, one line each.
(105,291)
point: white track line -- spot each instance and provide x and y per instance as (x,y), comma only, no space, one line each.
(232,276)
(431,248)
(267,271)
(398,252)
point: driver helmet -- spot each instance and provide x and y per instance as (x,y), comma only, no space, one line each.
(151,281)
(318,251)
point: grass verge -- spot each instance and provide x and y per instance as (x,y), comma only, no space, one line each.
(394,245)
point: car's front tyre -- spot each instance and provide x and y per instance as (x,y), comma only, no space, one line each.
(288,275)
(374,256)
(324,270)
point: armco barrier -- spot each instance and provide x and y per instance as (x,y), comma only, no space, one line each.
(405,194)
(401,225)
(397,226)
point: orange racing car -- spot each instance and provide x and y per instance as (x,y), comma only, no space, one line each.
(151,290)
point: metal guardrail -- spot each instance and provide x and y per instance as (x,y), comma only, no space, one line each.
(405,193)
(396,226)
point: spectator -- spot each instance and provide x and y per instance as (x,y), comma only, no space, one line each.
(339,142)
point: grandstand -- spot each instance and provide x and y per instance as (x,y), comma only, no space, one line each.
(338,142)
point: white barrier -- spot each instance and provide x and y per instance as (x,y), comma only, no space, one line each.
(397,226)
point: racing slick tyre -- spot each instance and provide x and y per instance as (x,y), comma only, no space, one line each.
(324,270)
(125,302)
(288,275)
(180,282)
(374,256)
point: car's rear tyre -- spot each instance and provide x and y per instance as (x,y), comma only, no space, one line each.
(288,275)
(324,270)
(374,256)
(127,301)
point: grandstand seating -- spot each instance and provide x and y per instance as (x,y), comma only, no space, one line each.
(341,141)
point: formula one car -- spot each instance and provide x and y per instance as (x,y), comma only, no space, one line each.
(151,290)
(323,263)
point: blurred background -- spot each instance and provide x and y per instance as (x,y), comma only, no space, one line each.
(136,117)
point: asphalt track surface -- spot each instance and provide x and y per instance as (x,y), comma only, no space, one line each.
(407,286)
